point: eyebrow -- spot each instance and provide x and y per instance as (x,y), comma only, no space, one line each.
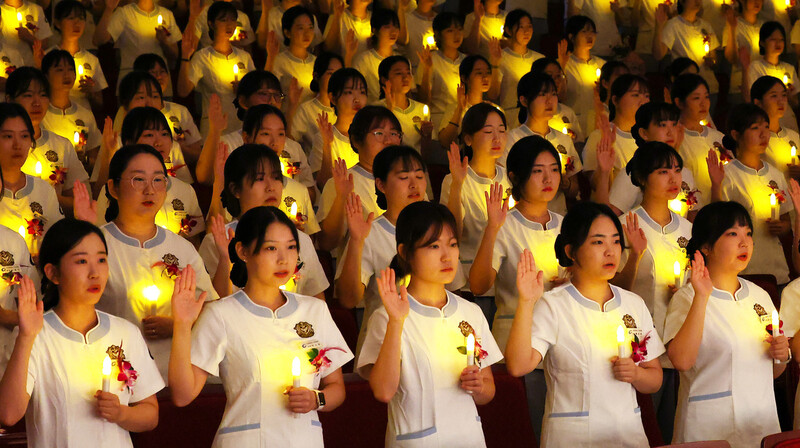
(102,252)
(602,235)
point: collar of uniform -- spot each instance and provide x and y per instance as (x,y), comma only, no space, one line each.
(356,19)
(447,310)
(92,336)
(159,237)
(623,134)
(749,170)
(63,112)
(742,292)
(484,180)
(360,170)
(577,60)
(534,225)
(339,136)
(296,59)
(24,191)
(696,22)
(322,106)
(511,53)
(780,134)
(385,224)
(669,228)
(213,53)
(407,110)
(42,140)
(458,60)
(612,304)
(284,310)
(420,16)
(140,11)
(232,225)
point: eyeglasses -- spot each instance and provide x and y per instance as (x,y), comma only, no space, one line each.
(381,135)
(139,183)
(273,96)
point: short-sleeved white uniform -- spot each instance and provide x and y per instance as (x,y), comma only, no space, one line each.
(566,121)
(340,149)
(624,148)
(10,60)
(779,149)
(783,71)
(54,160)
(491,26)
(419,28)
(367,64)
(304,126)
(686,39)
(747,36)
(603,17)
(64,373)
(694,151)
(134,266)
(444,83)
(585,404)
(32,14)
(134,33)
(727,394)
(790,316)
(361,28)
(274,24)
(288,66)
(513,67)
(251,349)
(245,34)
(752,189)
(31,210)
(581,79)
(409,121)
(65,122)
(430,408)
(91,69)
(181,122)
(15,261)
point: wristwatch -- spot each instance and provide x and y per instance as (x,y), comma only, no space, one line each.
(320,399)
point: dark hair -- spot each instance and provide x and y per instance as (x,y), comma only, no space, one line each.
(767,29)
(244,164)
(408,158)
(621,86)
(605,75)
(367,119)
(521,159)
(541,64)
(576,225)
(762,86)
(141,119)
(255,116)
(252,228)
(419,224)
(684,85)
(649,157)
(119,162)
(741,117)
(217,11)
(130,84)
(443,21)
(321,65)
(474,120)
(65,8)
(146,62)
(63,236)
(380,18)
(513,18)
(677,67)
(467,65)
(292,14)
(386,66)
(339,80)
(54,57)
(19,81)
(14,110)
(712,221)
(654,112)
(531,86)
(575,25)
(251,83)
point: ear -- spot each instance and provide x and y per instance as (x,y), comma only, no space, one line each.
(735,134)
(331,98)
(643,134)
(243,101)
(568,251)
(51,272)
(523,101)
(246,137)
(380,185)
(468,140)
(112,189)
(241,252)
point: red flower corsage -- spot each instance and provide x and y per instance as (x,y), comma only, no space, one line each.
(639,348)
(58,176)
(10,69)
(318,358)
(187,224)
(691,198)
(570,165)
(171,266)
(35,226)
(173,172)
(480,353)
(769,328)
(83,137)
(12,278)
(725,156)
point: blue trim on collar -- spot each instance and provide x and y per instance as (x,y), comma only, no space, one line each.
(43,139)
(672,226)
(743,292)
(624,134)
(63,112)
(516,214)
(447,310)
(612,304)
(95,334)
(386,225)
(747,169)
(360,170)
(232,225)
(284,310)
(23,192)
(160,236)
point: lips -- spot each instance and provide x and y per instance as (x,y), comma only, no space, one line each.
(414,196)
(447,269)
(547,189)
(282,274)
(148,203)
(94,289)
(742,257)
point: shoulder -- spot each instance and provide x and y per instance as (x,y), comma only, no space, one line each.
(755,292)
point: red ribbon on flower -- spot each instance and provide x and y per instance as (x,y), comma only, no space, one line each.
(639,348)
(570,165)
(320,361)
(173,172)
(127,374)
(691,198)
(171,270)
(35,226)
(59,176)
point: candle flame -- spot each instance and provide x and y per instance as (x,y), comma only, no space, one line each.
(776,321)
(788,3)
(620,334)
(235,69)
(794,151)
(511,202)
(430,41)
(21,231)
(76,137)
(785,78)
(294,209)
(703,123)
(160,20)
(107,366)
(80,70)
(565,130)
(706,48)
(19,17)
(676,205)
(151,293)
(471,343)
(38,168)
(296,367)
(235,35)
(597,73)
(425,110)
(676,268)
(773,200)
(282,287)
(503,29)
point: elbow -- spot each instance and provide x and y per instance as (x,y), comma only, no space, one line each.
(9,418)
(384,396)
(477,286)
(680,363)
(515,370)
(178,398)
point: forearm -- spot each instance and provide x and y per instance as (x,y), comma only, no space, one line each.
(649,378)
(448,134)
(683,348)
(170,50)
(185,86)
(13,386)
(333,226)
(334,393)
(191,152)
(425,86)
(349,287)
(270,64)
(139,417)
(494,88)
(472,41)
(326,169)
(658,47)
(101,34)
(454,205)
(481,274)
(221,280)
(182,381)
(487,393)
(262,30)
(205,163)
(384,378)
(626,278)
(521,358)
(778,369)
(331,42)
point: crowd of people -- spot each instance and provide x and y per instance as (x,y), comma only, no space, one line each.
(484,189)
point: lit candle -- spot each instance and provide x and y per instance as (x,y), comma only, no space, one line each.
(773,203)
(503,28)
(76,137)
(151,293)
(512,202)
(706,48)
(785,78)
(38,168)
(235,35)
(776,328)
(621,342)
(565,130)
(106,374)
(21,231)
(293,211)
(296,376)
(429,41)
(788,4)
(19,18)
(703,123)
(597,73)
(676,269)
(235,72)
(426,112)
(676,205)
(794,155)
(80,69)
(470,350)
(160,20)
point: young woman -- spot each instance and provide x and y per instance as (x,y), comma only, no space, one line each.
(400,180)
(576,327)
(272,19)
(700,142)
(252,177)
(242,37)
(516,61)
(396,82)
(770,94)
(144,258)
(718,336)
(21,34)
(484,24)
(211,70)
(260,325)
(478,81)
(55,373)
(52,158)
(790,297)
(582,69)
(30,204)
(473,173)
(401,359)
(296,62)
(304,124)
(538,101)
(564,119)
(752,183)
(419,30)
(385,25)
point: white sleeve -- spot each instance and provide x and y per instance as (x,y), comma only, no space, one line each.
(172,27)
(655,347)
(590,151)
(332,338)
(623,193)
(488,344)
(75,169)
(117,23)
(149,380)
(209,341)
(316,281)
(544,329)
(194,213)
(326,200)
(790,308)
(376,330)
(202,277)
(208,252)
(677,311)
(668,34)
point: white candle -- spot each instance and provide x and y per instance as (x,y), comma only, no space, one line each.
(106,374)
(794,155)
(773,203)
(621,352)
(80,70)
(38,168)
(597,74)
(236,72)
(151,293)
(160,20)
(785,78)
(776,328)
(470,350)
(703,123)
(676,269)
(76,137)
(296,376)
(19,18)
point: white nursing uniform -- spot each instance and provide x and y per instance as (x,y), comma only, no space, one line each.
(91,69)
(304,124)
(491,27)
(181,123)
(686,39)
(244,31)
(288,66)
(419,29)
(566,121)
(32,16)
(134,33)
(409,119)
(582,76)
(513,66)
(360,27)
(694,151)
(444,84)
(779,149)
(340,149)
(65,122)
(790,315)
(747,36)
(55,161)
(783,71)
(367,64)
(15,261)
(625,196)
(30,211)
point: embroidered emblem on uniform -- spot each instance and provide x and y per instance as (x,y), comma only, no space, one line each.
(683,242)
(465,328)
(87,66)
(80,123)
(177,204)
(171,266)
(127,375)
(285,155)
(304,329)
(37,208)
(35,226)
(10,275)
(288,201)
(51,156)
(6,258)
(561,149)
(565,119)
(759,310)
(176,126)
(629,321)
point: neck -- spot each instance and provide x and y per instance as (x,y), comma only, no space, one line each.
(474,96)
(70,44)
(298,51)
(400,100)
(483,166)
(450,53)
(772,58)
(13,179)
(723,279)
(365,163)
(624,123)
(518,48)
(692,125)
(592,288)
(427,293)
(359,10)
(343,123)
(384,49)
(539,125)
(658,209)
(146,5)
(427,11)
(78,316)
(493,9)
(392,213)
(750,16)
(750,159)
(60,98)
(689,16)
(323,98)
(583,53)
(37,130)
(774,124)
(268,296)
(223,46)
(535,211)
(138,227)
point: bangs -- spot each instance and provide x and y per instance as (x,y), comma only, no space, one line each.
(407,163)
(267,165)
(435,232)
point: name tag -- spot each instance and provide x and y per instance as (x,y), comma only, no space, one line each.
(308,345)
(635,332)
(765,319)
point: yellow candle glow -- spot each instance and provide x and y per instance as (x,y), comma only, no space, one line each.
(426,112)
(503,29)
(776,328)
(235,72)
(106,374)
(773,203)
(788,4)
(785,78)
(676,269)
(293,210)
(511,202)
(597,73)
(235,35)
(706,48)
(470,350)
(151,293)
(565,130)
(160,20)
(19,18)
(429,41)
(794,155)
(296,376)
(76,137)
(21,231)
(621,341)
(703,123)
(38,168)
(80,70)
(676,205)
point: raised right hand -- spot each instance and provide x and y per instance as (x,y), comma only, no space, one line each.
(530,280)
(84,207)
(29,309)
(496,206)
(325,129)
(701,280)
(358,227)
(342,179)
(396,304)
(109,137)
(458,165)
(186,306)
(217,118)
(222,236)
(716,169)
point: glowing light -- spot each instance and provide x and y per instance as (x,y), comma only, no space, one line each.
(426,112)
(703,123)
(293,210)
(151,293)
(565,130)
(19,17)
(21,231)
(38,168)
(502,29)
(235,35)
(676,270)
(511,202)
(676,205)
(597,73)
(794,155)
(160,20)
(282,287)
(773,203)
(296,372)
(470,350)
(785,78)
(776,324)
(235,72)
(788,3)
(706,48)
(80,70)
(106,374)
(621,341)
(429,41)
(76,137)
